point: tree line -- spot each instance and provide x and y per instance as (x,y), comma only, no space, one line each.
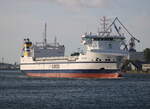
(147,54)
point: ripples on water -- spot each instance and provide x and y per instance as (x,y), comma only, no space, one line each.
(20,92)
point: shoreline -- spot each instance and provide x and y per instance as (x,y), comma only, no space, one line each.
(136,72)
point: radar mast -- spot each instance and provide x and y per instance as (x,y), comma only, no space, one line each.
(45,35)
(104,23)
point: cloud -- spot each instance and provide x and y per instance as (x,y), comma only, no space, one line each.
(82,3)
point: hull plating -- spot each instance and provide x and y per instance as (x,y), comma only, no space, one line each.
(74,74)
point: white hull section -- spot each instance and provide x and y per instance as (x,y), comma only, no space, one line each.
(69,66)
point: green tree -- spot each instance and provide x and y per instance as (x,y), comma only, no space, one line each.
(147,54)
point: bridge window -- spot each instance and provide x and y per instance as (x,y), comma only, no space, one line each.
(103,39)
(110,46)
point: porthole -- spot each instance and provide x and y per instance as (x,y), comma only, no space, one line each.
(107,60)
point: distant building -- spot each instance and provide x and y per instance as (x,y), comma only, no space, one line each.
(5,66)
(137,66)
(136,56)
(146,66)
(132,66)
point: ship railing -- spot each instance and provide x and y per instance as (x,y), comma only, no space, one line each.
(50,58)
(68,58)
(72,58)
(113,52)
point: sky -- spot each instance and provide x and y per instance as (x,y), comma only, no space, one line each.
(67,20)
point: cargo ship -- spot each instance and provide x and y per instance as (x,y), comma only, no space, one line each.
(103,56)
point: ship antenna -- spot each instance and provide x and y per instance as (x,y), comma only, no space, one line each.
(104,23)
(55,40)
(45,34)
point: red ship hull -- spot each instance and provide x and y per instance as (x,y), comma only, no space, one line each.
(75,75)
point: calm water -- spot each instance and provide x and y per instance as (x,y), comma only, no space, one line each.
(20,92)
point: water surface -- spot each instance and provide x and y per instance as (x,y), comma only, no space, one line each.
(18,91)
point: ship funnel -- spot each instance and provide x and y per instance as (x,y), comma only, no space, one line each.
(27,47)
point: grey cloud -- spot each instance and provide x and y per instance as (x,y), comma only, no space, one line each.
(82,3)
